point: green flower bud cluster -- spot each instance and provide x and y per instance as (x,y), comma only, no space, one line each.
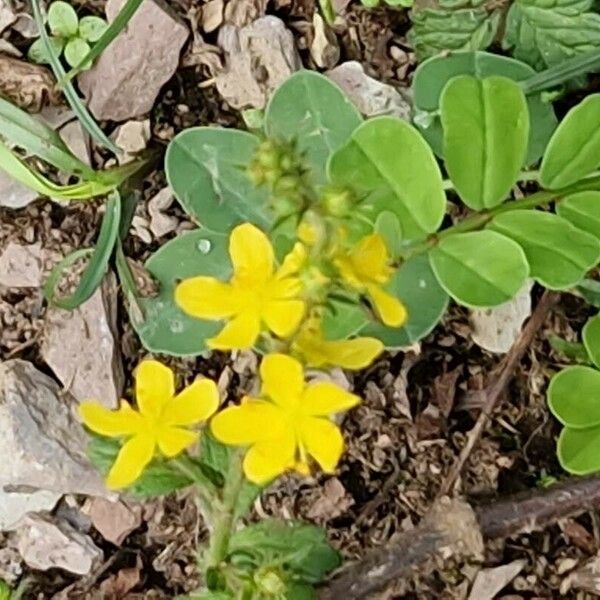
(338,201)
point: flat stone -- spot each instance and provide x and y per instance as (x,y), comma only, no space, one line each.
(160,223)
(77,140)
(21,265)
(128,75)
(114,520)
(260,57)
(15,505)
(132,137)
(14,194)
(45,543)
(371,97)
(89,366)
(41,440)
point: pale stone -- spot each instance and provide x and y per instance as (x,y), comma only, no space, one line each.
(114,520)
(132,137)
(15,505)
(128,75)
(14,194)
(21,266)
(325,50)
(488,582)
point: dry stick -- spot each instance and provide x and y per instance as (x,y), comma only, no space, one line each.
(451,527)
(495,389)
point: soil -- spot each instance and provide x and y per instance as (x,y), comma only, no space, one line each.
(401,442)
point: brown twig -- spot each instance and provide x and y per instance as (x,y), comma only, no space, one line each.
(498,385)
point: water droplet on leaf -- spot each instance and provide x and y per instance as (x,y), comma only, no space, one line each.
(204,246)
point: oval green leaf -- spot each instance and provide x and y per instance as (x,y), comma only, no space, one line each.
(426,301)
(62,19)
(578,450)
(583,210)
(163,326)
(574,150)
(91,28)
(311,110)
(559,254)
(591,339)
(486,128)
(388,157)
(432,76)
(75,51)
(574,397)
(206,168)
(480,269)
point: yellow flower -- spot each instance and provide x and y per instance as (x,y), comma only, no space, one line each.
(288,424)
(256,294)
(357,353)
(366,269)
(159,422)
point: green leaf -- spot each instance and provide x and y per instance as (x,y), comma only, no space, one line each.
(388,227)
(62,19)
(37,51)
(389,159)
(426,301)
(92,28)
(300,592)
(559,254)
(486,128)
(206,167)
(574,397)
(302,550)
(574,150)
(75,50)
(591,339)
(480,269)
(571,350)
(582,210)
(590,290)
(578,450)
(432,76)
(544,33)
(163,326)
(158,479)
(310,109)
(452,25)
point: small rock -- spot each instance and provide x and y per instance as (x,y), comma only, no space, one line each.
(586,578)
(496,329)
(212,15)
(260,56)
(132,137)
(333,502)
(14,194)
(26,26)
(15,505)
(371,97)
(325,50)
(77,140)
(48,544)
(11,565)
(39,432)
(128,75)
(488,582)
(7,15)
(21,266)
(243,12)
(161,224)
(89,366)
(114,520)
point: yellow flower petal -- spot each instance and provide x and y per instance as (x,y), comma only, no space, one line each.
(132,459)
(283,289)
(111,423)
(173,440)
(389,309)
(370,258)
(324,398)
(267,460)
(206,298)
(154,387)
(252,421)
(282,379)
(293,261)
(240,333)
(251,255)
(195,403)
(323,440)
(283,316)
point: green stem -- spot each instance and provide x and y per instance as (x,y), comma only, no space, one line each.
(207,491)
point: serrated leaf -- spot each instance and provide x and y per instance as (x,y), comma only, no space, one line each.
(206,168)
(91,28)
(62,19)
(164,326)
(486,128)
(591,339)
(310,109)
(574,150)
(432,76)
(425,300)
(582,210)
(574,397)
(578,450)
(480,269)
(389,159)
(544,34)
(452,25)
(559,254)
